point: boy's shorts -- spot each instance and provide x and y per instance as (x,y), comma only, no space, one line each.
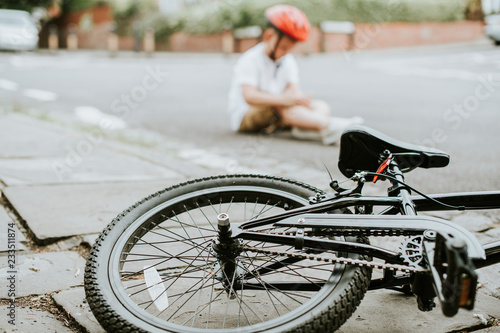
(260,118)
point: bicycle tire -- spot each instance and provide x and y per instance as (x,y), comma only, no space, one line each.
(112,305)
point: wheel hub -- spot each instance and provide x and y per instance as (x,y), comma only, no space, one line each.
(226,249)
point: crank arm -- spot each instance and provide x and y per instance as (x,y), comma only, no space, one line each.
(385,224)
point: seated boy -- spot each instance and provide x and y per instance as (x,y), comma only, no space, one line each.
(265,92)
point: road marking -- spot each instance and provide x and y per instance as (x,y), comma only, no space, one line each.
(41,95)
(439,67)
(207,159)
(445,73)
(434,73)
(29,62)
(214,160)
(8,85)
(94,116)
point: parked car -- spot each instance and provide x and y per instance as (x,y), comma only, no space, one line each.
(18,31)
(492,27)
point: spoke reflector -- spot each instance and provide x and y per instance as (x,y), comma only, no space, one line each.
(156,288)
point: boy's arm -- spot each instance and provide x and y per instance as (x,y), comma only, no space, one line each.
(255,96)
(290,97)
(293,87)
(301,98)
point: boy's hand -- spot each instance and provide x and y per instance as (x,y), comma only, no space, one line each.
(304,100)
(291,98)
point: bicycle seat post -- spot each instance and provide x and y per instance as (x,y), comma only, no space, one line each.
(407,205)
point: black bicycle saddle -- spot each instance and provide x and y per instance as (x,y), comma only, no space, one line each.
(361,148)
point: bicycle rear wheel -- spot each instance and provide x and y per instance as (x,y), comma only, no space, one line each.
(154,268)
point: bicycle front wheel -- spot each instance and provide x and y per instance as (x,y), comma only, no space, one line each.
(155,267)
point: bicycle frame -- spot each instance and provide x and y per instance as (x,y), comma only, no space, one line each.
(451,255)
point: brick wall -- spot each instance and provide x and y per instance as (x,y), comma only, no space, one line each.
(367,36)
(312,45)
(241,45)
(182,42)
(95,37)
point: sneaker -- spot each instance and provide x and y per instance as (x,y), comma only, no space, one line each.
(333,132)
(303,134)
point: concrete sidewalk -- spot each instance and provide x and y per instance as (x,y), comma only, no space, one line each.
(62,185)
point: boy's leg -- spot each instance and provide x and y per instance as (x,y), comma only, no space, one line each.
(259,118)
(316,118)
(316,123)
(321,107)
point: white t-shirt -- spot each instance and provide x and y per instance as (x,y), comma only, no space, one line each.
(255,68)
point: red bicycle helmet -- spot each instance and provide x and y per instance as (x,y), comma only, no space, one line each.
(289,20)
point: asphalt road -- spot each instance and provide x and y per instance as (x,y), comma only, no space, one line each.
(444,96)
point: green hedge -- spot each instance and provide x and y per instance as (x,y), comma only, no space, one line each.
(26,5)
(212,18)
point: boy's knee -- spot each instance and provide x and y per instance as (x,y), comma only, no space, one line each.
(321,106)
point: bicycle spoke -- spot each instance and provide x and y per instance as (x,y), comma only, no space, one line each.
(199,299)
(294,271)
(159,263)
(230,203)
(206,217)
(162,281)
(188,240)
(264,283)
(262,270)
(270,298)
(212,206)
(180,306)
(265,211)
(207,281)
(241,300)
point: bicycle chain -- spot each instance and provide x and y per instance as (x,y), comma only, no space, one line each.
(354,232)
(342,260)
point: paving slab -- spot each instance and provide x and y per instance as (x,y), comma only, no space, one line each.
(45,153)
(32,138)
(89,239)
(399,314)
(41,273)
(10,234)
(489,280)
(56,211)
(68,243)
(473,221)
(74,303)
(99,164)
(30,320)
(389,311)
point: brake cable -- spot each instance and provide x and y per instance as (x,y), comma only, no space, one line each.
(459,208)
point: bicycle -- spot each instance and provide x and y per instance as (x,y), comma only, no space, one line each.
(252,253)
